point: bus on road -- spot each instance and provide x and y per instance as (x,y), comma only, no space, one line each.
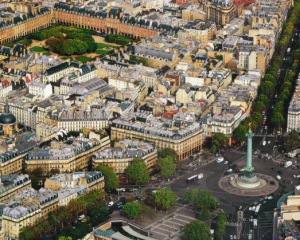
(191,179)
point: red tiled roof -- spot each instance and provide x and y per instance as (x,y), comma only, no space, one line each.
(28,80)
(5,82)
(242,2)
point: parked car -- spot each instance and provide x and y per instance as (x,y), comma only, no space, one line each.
(110,204)
(229,170)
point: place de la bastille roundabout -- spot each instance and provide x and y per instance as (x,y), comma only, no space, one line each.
(248,183)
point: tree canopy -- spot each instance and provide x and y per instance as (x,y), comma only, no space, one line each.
(167,166)
(165,198)
(201,199)
(67,40)
(221,225)
(291,140)
(132,209)
(137,171)
(219,140)
(205,215)
(111,179)
(196,230)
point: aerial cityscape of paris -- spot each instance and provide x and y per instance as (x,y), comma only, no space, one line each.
(150,120)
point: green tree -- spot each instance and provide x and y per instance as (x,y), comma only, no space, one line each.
(99,214)
(166,152)
(240,132)
(53,219)
(132,209)
(81,46)
(26,233)
(63,215)
(205,153)
(41,227)
(68,47)
(201,199)
(269,77)
(221,225)
(165,198)
(259,106)
(257,118)
(205,215)
(167,166)
(219,140)
(137,171)
(277,118)
(291,140)
(196,230)
(111,179)
(263,98)
(267,88)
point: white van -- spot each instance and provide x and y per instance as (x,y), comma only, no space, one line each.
(264,143)
(288,164)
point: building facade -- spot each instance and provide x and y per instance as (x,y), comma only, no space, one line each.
(63,157)
(182,136)
(120,157)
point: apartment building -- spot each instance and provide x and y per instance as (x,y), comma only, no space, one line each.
(5,88)
(69,156)
(200,30)
(14,26)
(40,89)
(122,154)
(251,78)
(219,12)
(293,116)
(224,119)
(13,183)
(112,21)
(191,14)
(253,58)
(287,219)
(90,180)
(18,215)
(77,118)
(218,78)
(13,152)
(184,136)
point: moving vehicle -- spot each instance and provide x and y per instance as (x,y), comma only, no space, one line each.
(194,177)
(254,223)
(288,164)
(257,209)
(288,51)
(278,177)
(220,159)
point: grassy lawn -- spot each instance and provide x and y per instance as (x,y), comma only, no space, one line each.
(103,52)
(38,49)
(83,59)
(47,53)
